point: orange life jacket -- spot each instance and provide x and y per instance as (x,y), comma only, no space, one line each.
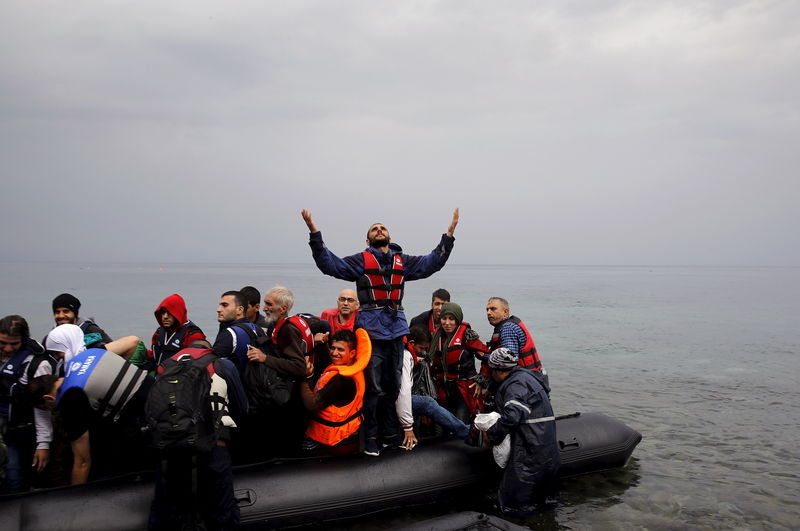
(333,424)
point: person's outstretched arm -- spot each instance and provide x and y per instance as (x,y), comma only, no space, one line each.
(452,228)
(312,227)
(403,403)
(418,267)
(349,268)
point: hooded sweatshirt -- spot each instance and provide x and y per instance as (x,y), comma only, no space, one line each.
(184,333)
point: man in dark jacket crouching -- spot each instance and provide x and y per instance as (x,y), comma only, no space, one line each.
(525,415)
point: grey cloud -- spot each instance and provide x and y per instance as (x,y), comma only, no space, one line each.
(609,132)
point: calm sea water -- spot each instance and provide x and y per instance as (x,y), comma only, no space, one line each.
(702,361)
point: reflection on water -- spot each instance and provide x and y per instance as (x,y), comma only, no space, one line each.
(602,489)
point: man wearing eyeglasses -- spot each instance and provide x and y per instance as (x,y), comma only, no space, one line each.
(380,273)
(343,317)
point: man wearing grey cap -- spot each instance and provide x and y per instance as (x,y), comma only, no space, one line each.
(527,416)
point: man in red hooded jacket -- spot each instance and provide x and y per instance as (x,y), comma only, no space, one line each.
(175,330)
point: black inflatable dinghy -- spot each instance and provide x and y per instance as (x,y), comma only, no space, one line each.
(315,490)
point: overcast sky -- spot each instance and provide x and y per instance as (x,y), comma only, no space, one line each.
(596,132)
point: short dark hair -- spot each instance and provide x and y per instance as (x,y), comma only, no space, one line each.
(251,295)
(40,386)
(370,227)
(15,325)
(419,334)
(346,336)
(502,301)
(237,297)
(441,293)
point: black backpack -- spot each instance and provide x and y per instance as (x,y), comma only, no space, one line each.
(265,388)
(179,408)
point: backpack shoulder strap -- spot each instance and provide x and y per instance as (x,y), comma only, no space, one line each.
(253,333)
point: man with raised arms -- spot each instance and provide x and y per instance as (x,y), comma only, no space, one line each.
(380,273)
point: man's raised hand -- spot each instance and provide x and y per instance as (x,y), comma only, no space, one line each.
(453,224)
(309,221)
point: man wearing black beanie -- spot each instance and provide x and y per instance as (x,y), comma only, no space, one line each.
(67,302)
(65,311)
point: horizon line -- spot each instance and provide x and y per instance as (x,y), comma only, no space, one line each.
(454,263)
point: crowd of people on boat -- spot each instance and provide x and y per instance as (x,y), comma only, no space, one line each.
(352,378)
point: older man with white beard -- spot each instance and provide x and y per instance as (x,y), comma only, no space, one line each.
(292,341)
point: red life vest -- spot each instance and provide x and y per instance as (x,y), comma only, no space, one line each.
(458,363)
(380,287)
(457,366)
(431,325)
(332,316)
(528,357)
(333,424)
(300,324)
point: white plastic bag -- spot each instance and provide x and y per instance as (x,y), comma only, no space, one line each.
(501,452)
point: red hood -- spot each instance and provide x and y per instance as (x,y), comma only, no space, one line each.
(176,306)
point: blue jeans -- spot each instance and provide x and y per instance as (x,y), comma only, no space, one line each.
(20,444)
(383,385)
(428,406)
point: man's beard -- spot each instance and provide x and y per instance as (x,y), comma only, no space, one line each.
(379,242)
(270,318)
